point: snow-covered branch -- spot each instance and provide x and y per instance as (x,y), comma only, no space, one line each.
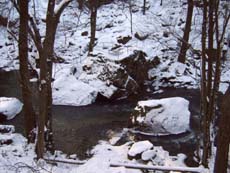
(60,7)
(160,168)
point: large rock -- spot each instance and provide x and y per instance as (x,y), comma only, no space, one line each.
(10,107)
(137,66)
(109,78)
(116,79)
(139,147)
(163,116)
(67,90)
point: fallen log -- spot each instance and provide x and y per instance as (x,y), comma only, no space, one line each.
(68,161)
(160,168)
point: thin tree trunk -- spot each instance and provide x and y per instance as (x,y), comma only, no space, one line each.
(131,16)
(93,23)
(184,47)
(205,125)
(223,137)
(210,58)
(43,104)
(29,114)
(45,79)
(48,44)
(144,6)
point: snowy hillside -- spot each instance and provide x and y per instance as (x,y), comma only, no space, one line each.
(151,41)
(156,33)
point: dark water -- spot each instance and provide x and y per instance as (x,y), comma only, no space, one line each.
(78,129)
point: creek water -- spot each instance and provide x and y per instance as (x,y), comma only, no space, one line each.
(78,129)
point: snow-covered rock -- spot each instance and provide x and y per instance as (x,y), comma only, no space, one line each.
(108,77)
(10,107)
(7,129)
(148,155)
(68,90)
(139,147)
(164,116)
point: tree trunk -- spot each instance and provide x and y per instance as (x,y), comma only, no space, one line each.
(93,23)
(210,57)
(223,137)
(184,47)
(205,124)
(45,81)
(29,114)
(131,16)
(42,106)
(144,6)
(48,44)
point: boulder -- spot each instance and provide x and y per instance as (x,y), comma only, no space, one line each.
(67,90)
(137,66)
(10,107)
(117,79)
(124,40)
(141,37)
(108,77)
(163,117)
(138,148)
(148,155)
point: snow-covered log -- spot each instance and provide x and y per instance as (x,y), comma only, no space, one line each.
(75,162)
(161,168)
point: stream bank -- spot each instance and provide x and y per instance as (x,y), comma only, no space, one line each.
(78,129)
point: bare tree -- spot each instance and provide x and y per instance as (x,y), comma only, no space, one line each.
(185,40)
(93,5)
(211,58)
(131,15)
(29,114)
(46,54)
(223,137)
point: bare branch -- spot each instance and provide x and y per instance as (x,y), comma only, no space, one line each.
(224,28)
(35,34)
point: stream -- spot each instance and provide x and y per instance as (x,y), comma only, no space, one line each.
(78,129)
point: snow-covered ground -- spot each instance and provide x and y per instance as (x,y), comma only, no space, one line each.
(20,157)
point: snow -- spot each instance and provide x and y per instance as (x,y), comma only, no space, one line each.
(67,90)
(168,115)
(10,107)
(82,89)
(148,155)
(19,156)
(139,147)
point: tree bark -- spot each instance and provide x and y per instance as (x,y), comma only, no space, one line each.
(144,6)
(223,137)
(184,46)
(93,23)
(29,114)
(205,124)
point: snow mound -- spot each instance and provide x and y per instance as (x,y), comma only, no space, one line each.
(68,90)
(10,107)
(165,116)
(148,155)
(139,147)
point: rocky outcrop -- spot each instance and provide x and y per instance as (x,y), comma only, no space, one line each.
(116,79)
(137,66)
